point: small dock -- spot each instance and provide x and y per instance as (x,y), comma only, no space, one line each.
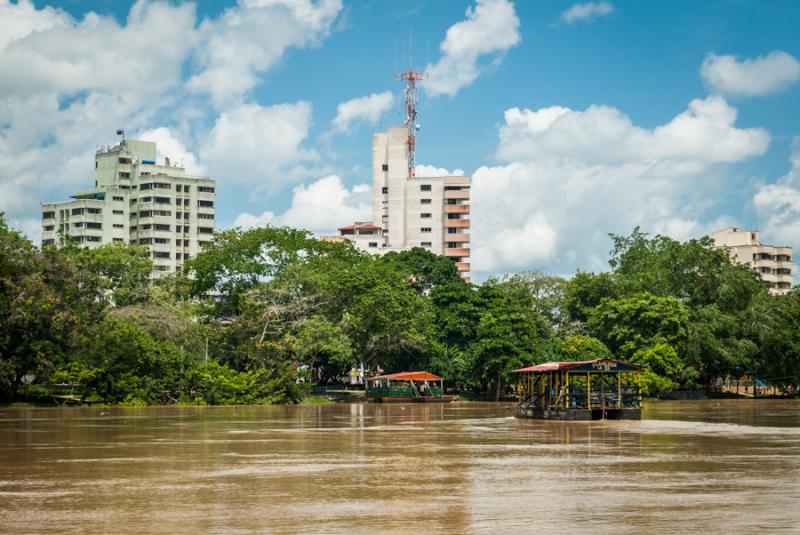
(584,390)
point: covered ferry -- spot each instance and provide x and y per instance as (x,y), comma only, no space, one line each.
(584,390)
(412,387)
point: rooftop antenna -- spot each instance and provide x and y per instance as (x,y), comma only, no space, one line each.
(411,97)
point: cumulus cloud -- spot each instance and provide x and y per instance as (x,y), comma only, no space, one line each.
(491,28)
(169,146)
(367,109)
(433,171)
(763,75)
(320,207)
(778,205)
(251,37)
(568,178)
(260,146)
(586,12)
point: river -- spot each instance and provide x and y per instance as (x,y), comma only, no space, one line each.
(707,466)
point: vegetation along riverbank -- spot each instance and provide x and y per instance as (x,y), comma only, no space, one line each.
(262,315)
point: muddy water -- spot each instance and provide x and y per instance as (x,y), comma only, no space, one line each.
(719,467)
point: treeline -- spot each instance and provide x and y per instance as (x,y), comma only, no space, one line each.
(262,314)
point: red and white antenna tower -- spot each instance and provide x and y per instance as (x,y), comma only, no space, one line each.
(411,96)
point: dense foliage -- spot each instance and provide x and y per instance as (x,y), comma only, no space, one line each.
(262,314)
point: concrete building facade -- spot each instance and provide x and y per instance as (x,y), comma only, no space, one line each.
(413,211)
(773,264)
(138,201)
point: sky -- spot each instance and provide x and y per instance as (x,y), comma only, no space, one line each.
(574,120)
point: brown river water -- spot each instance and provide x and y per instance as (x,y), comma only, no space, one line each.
(708,467)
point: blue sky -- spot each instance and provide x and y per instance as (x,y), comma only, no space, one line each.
(604,136)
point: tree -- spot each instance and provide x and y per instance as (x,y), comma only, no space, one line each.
(237,260)
(631,323)
(581,347)
(123,271)
(508,332)
(324,346)
(425,269)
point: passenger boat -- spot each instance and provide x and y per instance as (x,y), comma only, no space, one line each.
(585,390)
(407,387)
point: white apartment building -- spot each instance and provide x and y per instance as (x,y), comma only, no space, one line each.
(413,211)
(773,264)
(138,201)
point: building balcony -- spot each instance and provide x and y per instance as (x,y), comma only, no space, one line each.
(456,181)
(457,251)
(459,237)
(456,208)
(456,194)
(456,223)
(462,266)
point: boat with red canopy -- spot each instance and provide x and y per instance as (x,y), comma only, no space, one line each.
(407,387)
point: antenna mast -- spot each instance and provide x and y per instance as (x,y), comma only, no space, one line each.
(411,96)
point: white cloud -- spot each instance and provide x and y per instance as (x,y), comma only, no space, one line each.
(320,207)
(571,177)
(587,12)
(778,206)
(750,77)
(490,29)
(248,39)
(22,19)
(259,146)
(64,55)
(169,146)
(601,134)
(433,171)
(367,109)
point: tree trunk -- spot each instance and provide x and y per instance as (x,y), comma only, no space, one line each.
(499,385)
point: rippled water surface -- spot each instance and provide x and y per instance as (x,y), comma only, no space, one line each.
(708,467)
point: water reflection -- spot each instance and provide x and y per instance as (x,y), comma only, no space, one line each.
(365,468)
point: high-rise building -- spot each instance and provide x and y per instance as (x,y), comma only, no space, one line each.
(138,201)
(773,264)
(413,211)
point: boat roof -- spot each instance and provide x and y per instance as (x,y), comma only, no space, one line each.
(581,365)
(408,376)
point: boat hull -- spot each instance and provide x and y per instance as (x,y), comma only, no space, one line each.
(393,399)
(627,413)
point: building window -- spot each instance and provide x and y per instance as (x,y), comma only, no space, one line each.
(424,201)
(203,189)
(124,175)
(384,189)
(118,212)
(160,254)
(118,225)
(163,200)
(117,240)
(204,216)
(77,211)
(452,245)
(453,216)
(178,188)
(186,189)
(385,167)
(93,238)
(145,186)
(48,215)
(205,230)
(94,211)
(451,230)
(373,244)
(119,198)
(452,201)
(205,204)
(161,240)
(48,242)
(425,229)
(77,225)
(425,187)
(124,160)
(49,227)
(425,216)
(385,219)
(158,226)
(426,244)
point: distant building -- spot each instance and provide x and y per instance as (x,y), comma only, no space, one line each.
(138,201)
(773,264)
(413,211)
